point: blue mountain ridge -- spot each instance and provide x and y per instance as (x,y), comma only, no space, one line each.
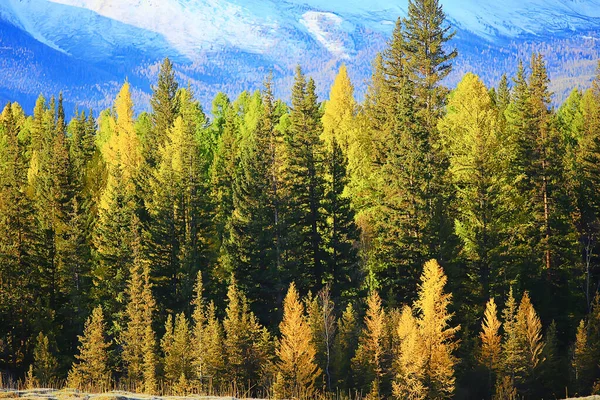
(87,48)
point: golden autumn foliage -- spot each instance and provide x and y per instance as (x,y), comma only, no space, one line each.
(120,145)
(297,370)
(436,334)
(530,331)
(91,369)
(340,110)
(410,359)
(491,341)
(369,358)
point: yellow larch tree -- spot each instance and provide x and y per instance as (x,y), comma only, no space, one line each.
(436,334)
(297,370)
(491,346)
(119,144)
(368,363)
(410,360)
(91,370)
(339,114)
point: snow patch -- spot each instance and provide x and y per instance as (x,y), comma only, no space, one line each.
(327,29)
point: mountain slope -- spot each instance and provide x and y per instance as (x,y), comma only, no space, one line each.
(87,47)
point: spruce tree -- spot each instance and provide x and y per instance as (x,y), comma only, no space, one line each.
(304,177)
(164,110)
(254,244)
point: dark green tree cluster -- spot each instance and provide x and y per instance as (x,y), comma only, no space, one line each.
(159,252)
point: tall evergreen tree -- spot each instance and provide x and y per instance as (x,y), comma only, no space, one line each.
(179,207)
(304,177)
(164,110)
(254,243)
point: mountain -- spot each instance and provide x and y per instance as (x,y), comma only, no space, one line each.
(87,48)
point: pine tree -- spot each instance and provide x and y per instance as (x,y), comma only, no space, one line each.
(45,364)
(297,368)
(92,369)
(436,334)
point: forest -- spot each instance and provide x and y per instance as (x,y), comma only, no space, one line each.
(425,243)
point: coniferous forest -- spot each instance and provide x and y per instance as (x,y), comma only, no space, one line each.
(425,243)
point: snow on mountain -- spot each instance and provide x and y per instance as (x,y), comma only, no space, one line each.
(228,44)
(328,29)
(194,26)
